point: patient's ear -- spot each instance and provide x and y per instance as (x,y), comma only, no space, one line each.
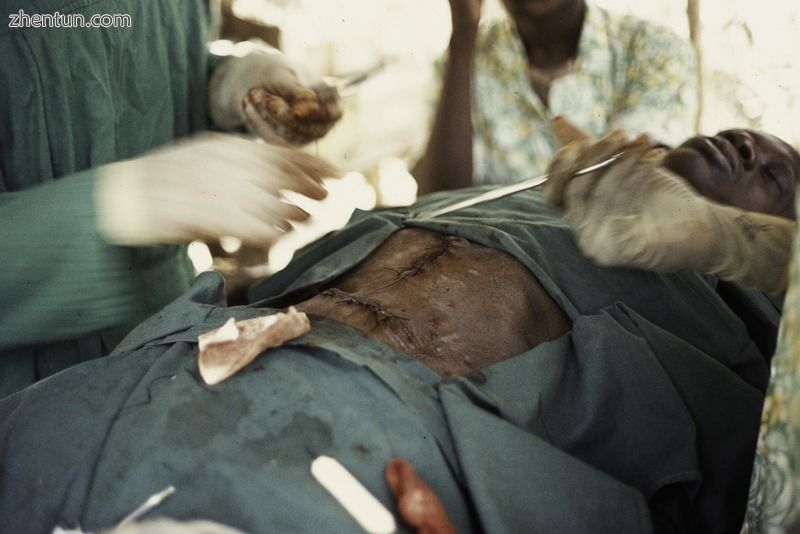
(566,132)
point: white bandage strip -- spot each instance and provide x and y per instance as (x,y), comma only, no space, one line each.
(353,496)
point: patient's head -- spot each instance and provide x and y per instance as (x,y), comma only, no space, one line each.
(743,168)
(526,8)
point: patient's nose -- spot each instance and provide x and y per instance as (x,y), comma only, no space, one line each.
(745,146)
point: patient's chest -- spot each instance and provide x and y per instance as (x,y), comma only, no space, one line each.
(452,304)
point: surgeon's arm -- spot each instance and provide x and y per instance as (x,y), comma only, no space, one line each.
(59,279)
(639,214)
(447,162)
(70,260)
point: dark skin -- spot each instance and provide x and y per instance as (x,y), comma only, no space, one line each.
(455,306)
(743,168)
(550,31)
(747,169)
(417,292)
(459,307)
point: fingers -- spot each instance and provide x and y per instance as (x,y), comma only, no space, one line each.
(586,152)
(298,114)
(630,213)
(603,149)
(594,195)
(311,166)
(301,173)
(577,155)
(209,186)
(564,182)
(271,208)
(328,97)
(256,124)
(560,171)
(252,231)
(241,182)
(248,213)
(566,132)
(272,168)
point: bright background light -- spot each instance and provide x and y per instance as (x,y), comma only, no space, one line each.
(751,71)
(751,79)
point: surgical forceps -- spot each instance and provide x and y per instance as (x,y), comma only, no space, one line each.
(507,190)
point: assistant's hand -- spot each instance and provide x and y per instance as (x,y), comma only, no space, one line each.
(636,213)
(210,186)
(274,97)
(632,213)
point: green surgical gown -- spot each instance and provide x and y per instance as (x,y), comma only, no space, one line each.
(71,100)
(646,411)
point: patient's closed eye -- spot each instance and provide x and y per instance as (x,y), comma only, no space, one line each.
(781,176)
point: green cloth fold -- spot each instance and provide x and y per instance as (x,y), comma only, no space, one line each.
(71,100)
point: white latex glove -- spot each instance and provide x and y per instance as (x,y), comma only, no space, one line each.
(636,213)
(275,98)
(209,186)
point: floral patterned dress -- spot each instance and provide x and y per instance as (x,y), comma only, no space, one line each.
(775,486)
(628,74)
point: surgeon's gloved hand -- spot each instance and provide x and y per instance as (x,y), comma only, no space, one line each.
(635,213)
(279,100)
(209,186)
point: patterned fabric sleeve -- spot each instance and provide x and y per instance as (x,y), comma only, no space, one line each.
(658,91)
(774,501)
(629,74)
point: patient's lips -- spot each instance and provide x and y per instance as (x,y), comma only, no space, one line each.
(716,149)
(727,151)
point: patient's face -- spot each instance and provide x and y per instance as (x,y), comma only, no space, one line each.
(743,168)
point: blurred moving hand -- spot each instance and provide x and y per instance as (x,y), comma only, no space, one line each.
(638,214)
(209,186)
(273,97)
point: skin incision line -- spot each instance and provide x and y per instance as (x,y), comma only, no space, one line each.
(380,315)
(417,266)
(423,305)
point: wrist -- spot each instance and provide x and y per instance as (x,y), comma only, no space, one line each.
(120,204)
(464,35)
(755,249)
(224,100)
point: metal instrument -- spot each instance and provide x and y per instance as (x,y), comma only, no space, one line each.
(507,190)
(357,78)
